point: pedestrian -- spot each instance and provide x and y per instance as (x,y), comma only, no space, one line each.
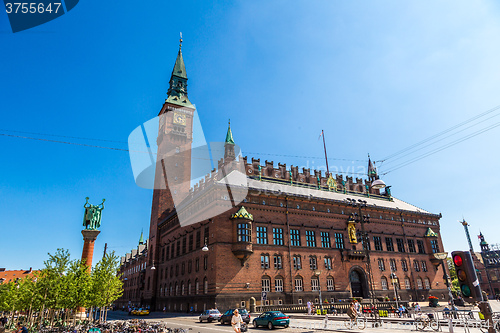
(309,307)
(164,309)
(236,321)
(21,328)
(357,306)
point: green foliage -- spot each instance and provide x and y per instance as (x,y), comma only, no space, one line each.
(64,284)
(455,286)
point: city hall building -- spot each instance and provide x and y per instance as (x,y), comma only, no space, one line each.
(285,236)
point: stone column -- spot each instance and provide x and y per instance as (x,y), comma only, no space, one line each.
(89,237)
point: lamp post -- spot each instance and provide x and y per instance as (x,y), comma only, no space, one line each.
(365,241)
(442,256)
(394,280)
(318,273)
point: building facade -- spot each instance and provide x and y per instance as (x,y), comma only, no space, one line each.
(487,264)
(296,236)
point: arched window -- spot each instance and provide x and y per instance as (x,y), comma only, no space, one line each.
(278,284)
(170,290)
(183,290)
(205,286)
(266,283)
(196,286)
(407,283)
(161,290)
(419,283)
(383,283)
(314,283)
(330,284)
(299,286)
(427,283)
(189,287)
(176,289)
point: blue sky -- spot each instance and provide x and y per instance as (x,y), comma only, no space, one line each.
(377,76)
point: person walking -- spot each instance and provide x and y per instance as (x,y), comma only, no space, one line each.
(236,321)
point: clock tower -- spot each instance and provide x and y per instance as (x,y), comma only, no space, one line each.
(173,164)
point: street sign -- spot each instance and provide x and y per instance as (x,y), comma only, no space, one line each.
(264,295)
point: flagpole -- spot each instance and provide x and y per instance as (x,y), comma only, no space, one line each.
(326,157)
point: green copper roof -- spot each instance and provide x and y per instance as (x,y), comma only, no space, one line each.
(242,213)
(430,233)
(179,67)
(229,135)
(141,240)
(179,100)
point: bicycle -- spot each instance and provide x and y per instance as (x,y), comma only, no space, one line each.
(358,322)
(427,320)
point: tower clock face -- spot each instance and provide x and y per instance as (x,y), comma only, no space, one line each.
(179,119)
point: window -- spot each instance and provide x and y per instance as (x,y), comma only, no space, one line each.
(313,263)
(294,237)
(427,283)
(365,241)
(339,240)
(434,246)
(167,255)
(298,284)
(328,263)
(177,270)
(381,265)
(266,284)
(325,239)
(407,283)
(404,265)
(411,246)
(420,245)
(198,241)
(191,243)
(388,244)
(261,235)
(296,262)
(383,283)
(205,286)
(314,284)
(176,289)
(392,263)
(419,283)
(278,236)
(278,284)
(330,285)
(182,288)
(278,261)
(196,265)
(178,248)
(416,266)
(205,263)
(184,245)
(378,243)
(189,287)
(310,238)
(190,266)
(244,232)
(264,261)
(196,287)
(424,267)
(401,244)
(183,268)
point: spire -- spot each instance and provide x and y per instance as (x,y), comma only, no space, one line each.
(141,240)
(229,154)
(177,92)
(372,170)
(229,135)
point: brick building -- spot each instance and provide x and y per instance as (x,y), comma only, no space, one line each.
(487,263)
(7,276)
(297,235)
(133,270)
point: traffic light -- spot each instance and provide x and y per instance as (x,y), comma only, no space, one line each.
(466,273)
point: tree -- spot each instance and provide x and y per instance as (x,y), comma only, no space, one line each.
(455,286)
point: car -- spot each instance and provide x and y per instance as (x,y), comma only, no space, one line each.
(140,312)
(226,317)
(272,319)
(210,315)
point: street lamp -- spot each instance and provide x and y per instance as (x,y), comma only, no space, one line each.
(318,273)
(442,256)
(394,280)
(205,247)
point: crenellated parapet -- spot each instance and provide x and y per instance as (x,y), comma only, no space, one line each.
(267,171)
